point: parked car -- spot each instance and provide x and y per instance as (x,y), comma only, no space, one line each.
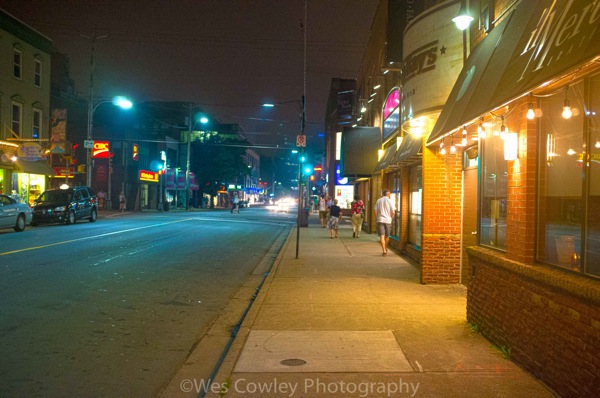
(14,214)
(65,206)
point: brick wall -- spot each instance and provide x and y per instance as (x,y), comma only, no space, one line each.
(520,217)
(549,319)
(442,201)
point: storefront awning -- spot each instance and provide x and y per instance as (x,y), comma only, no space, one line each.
(387,157)
(359,148)
(538,41)
(40,167)
(409,151)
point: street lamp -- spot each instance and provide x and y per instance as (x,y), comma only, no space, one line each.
(300,139)
(121,102)
(192,123)
(464,18)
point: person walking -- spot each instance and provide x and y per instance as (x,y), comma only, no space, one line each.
(322,207)
(122,201)
(384,211)
(335,215)
(235,203)
(358,215)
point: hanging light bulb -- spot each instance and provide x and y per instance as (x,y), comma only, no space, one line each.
(481,129)
(530,110)
(452,147)
(567,112)
(597,145)
(464,136)
(502,129)
(442,148)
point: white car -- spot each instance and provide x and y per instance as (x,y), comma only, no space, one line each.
(14,214)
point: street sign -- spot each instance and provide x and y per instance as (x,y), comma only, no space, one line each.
(88,144)
(301,140)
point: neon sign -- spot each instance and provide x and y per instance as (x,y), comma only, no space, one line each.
(149,176)
(101,150)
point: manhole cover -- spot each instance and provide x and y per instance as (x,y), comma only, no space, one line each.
(293,362)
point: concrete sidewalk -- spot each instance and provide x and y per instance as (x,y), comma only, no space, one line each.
(344,321)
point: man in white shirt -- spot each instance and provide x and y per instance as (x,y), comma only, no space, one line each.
(323,210)
(385,211)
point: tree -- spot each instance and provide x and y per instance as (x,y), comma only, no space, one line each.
(217,160)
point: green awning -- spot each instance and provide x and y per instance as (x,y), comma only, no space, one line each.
(409,151)
(40,167)
(387,157)
(359,151)
(538,41)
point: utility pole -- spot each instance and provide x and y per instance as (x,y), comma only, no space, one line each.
(90,115)
(187,162)
(302,132)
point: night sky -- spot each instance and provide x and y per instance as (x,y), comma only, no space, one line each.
(228,56)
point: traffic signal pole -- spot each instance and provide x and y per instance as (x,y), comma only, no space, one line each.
(302,132)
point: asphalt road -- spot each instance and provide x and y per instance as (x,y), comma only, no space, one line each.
(113,308)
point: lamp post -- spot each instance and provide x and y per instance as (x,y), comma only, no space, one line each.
(302,140)
(191,124)
(121,102)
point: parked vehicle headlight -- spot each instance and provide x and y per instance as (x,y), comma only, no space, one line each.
(60,208)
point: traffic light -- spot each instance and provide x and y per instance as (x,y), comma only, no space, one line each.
(307,170)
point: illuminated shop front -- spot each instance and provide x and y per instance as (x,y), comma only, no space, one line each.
(8,156)
(149,189)
(527,103)
(24,171)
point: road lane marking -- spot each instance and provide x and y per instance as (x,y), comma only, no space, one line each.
(91,237)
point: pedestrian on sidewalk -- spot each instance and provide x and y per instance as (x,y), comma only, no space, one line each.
(322,206)
(358,215)
(335,215)
(384,210)
(122,201)
(235,203)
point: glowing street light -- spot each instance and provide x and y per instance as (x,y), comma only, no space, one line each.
(121,102)
(192,123)
(302,117)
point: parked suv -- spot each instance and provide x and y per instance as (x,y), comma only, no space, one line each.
(65,206)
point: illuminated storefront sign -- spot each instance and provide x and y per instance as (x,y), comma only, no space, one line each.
(68,172)
(148,176)
(101,150)
(391,113)
(30,151)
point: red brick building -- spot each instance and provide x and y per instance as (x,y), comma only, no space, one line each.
(501,191)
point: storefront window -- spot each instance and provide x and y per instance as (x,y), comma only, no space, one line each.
(569,198)
(591,263)
(28,186)
(494,186)
(414,211)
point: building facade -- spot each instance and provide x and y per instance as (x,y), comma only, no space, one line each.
(489,142)
(24,109)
